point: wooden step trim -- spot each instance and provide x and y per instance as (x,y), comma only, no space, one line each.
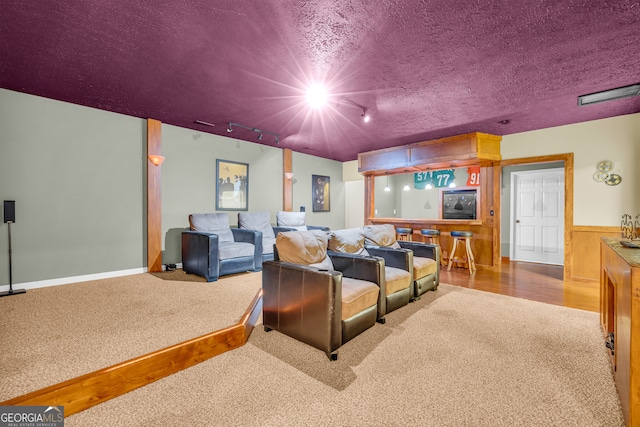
(83,392)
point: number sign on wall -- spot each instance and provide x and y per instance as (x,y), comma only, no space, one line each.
(441,178)
(474,176)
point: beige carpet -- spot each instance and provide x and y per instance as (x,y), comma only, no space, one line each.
(457,357)
(53,334)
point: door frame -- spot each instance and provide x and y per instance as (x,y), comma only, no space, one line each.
(513,217)
(567,158)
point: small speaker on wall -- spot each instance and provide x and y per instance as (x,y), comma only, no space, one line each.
(9,211)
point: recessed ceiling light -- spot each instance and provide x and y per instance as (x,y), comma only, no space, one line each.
(609,95)
(316,96)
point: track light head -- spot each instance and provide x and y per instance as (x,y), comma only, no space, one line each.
(365,117)
(230,128)
(260,137)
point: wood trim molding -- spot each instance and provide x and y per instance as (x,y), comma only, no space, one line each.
(495,182)
(596,229)
(154,197)
(287,184)
(78,394)
(567,158)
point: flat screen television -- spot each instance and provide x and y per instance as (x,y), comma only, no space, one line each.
(459,204)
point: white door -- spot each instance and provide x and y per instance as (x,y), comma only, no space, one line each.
(537,216)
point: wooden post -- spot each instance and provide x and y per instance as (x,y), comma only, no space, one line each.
(287,183)
(154,198)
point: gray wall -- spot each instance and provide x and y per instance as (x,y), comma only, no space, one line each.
(303,167)
(189,180)
(76,175)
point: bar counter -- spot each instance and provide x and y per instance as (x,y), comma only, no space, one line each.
(481,243)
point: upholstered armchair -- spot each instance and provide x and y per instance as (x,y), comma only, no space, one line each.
(380,240)
(260,221)
(398,281)
(295,221)
(321,300)
(211,248)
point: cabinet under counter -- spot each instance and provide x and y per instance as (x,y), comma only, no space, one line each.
(481,243)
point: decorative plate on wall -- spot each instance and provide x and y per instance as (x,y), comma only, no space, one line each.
(605,166)
(614,179)
(602,173)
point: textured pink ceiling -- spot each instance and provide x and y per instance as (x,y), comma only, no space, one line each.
(423,69)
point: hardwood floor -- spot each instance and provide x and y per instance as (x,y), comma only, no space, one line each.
(537,282)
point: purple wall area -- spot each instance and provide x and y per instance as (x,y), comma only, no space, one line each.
(423,69)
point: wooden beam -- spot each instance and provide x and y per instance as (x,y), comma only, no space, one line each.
(470,149)
(78,394)
(154,198)
(287,183)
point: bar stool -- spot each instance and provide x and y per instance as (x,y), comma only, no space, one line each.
(463,238)
(432,236)
(404,234)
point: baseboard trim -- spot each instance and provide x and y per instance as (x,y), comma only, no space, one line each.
(78,394)
(74,279)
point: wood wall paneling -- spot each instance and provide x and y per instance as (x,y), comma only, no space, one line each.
(585,250)
(154,198)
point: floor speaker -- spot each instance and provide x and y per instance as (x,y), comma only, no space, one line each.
(10,218)
(9,211)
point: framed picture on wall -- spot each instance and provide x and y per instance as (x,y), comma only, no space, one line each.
(232,186)
(320,193)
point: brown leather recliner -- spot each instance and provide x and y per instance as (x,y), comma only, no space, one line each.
(321,300)
(380,240)
(398,281)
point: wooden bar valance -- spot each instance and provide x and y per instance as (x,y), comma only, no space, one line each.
(455,151)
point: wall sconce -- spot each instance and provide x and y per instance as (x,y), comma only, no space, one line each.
(288,175)
(156,159)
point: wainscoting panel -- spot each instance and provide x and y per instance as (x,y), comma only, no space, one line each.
(585,247)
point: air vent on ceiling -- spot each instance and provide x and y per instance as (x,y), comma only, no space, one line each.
(609,95)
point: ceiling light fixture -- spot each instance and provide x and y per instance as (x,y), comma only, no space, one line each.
(406,183)
(316,96)
(609,95)
(344,100)
(387,188)
(260,132)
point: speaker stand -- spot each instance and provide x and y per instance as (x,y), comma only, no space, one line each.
(11,291)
